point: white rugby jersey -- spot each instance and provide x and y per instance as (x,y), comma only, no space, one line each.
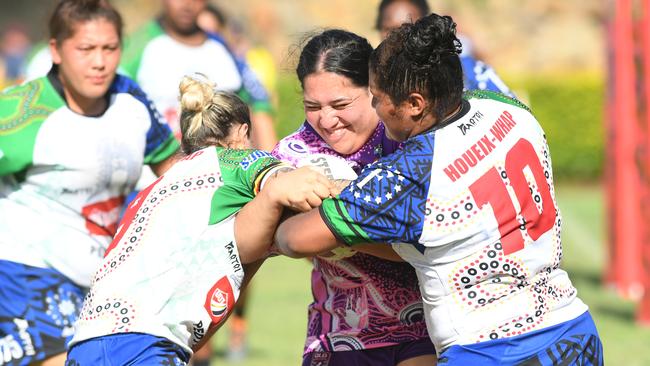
(64,176)
(173,269)
(471,205)
(158,63)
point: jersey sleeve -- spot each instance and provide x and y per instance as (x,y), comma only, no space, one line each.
(385,204)
(481,76)
(23,109)
(243,173)
(160,143)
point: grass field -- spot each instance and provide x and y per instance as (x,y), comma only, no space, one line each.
(277,309)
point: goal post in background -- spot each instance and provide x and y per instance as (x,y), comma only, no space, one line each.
(627,170)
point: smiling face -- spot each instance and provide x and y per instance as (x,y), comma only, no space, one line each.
(87,62)
(339,111)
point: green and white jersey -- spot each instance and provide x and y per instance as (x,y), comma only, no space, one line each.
(173,269)
(158,63)
(63,176)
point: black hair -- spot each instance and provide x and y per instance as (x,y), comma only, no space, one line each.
(421,57)
(422,6)
(68,13)
(217,13)
(337,51)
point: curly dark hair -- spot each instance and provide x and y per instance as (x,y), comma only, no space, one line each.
(337,51)
(421,57)
(422,6)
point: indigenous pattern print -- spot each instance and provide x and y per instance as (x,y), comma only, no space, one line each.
(153,278)
(360,301)
(473,210)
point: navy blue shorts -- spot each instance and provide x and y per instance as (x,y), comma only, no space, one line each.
(575,342)
(38,308)
(127,349)
(383,356)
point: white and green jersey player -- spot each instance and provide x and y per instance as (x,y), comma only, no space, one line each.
(158,62)
(174,269)
(65,175)
(63,178)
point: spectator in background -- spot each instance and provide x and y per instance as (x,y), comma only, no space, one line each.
(213,20)
(477,74)
(73,145)
(14,48)
(159,54)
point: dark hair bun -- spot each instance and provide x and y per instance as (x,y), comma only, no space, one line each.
(430,39)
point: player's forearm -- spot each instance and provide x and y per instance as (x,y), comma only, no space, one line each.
(304,235)
(255,226)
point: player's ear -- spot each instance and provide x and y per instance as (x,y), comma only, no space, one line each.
(54,51)
(415,105)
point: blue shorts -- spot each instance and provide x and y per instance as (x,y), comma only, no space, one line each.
(575,342)
(38,307)
(127,349)
(382,356)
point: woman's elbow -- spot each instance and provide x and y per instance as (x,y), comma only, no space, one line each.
(288,245)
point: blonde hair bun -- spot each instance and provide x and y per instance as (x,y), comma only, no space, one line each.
(195,94)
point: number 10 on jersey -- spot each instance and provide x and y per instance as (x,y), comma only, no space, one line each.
(491,189)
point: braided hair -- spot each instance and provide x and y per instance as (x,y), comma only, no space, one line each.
(421,57)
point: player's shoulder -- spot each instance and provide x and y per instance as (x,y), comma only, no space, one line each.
(217,38)
(242,158)
(33,98)
(496,97)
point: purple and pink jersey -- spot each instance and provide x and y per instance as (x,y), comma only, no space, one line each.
(360,301)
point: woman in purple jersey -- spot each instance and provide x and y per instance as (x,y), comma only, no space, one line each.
(366,310)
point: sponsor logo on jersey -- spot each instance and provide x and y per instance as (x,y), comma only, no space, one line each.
(234,257)
(253,157)
(220,300)
(297,147)
(476,118)
(198,332)
(102,217)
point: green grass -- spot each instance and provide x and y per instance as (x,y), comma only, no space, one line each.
(625,342)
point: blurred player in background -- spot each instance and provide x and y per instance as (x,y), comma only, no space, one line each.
(477,74)
(72,147)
